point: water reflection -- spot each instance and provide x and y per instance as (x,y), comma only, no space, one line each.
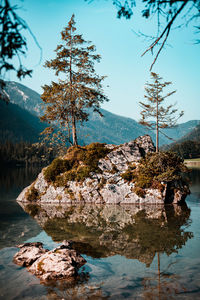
(15,225)
(17,177)
(75,290)
(195,180)
(136,232)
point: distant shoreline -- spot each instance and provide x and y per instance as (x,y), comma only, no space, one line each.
(195,162)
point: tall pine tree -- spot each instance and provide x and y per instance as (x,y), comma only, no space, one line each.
(68,100)
(154,115)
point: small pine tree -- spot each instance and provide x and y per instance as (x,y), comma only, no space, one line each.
(163,117)
(68,100)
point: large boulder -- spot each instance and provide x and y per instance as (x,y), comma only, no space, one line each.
(96,176)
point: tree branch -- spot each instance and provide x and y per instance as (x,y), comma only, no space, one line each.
(165,33)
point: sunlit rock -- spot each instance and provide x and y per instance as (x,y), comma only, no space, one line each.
(80,182)
(60,263)
(28,254)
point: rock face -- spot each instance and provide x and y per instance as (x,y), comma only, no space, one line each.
(107,185)
(28,254)
(61,263)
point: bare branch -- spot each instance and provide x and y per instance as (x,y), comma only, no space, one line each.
(165,33)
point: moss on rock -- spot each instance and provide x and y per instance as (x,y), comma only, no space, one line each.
(32,194)
(155,169)
(76,165)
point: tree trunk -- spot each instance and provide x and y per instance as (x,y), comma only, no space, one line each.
(157,137)
(157,127)
(74,135)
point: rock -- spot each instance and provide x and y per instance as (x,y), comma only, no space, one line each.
(60,263)
(28,254)
(107,185)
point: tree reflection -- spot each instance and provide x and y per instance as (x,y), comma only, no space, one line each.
(74,290)
(136,232)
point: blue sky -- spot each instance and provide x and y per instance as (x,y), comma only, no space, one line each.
(120,50)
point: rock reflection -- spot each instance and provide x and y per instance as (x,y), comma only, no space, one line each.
(136,232)
(74,290)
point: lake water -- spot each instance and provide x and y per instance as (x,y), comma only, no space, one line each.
(132,252)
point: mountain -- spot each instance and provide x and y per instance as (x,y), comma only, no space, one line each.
(109,129)
(189,145)
(193,135)
(181,130)
(18,124)
(23,96)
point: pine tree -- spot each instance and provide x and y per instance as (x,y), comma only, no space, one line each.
(68,100)
(154,115)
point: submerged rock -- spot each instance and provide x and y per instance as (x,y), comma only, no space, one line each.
(60,263)
(95,174)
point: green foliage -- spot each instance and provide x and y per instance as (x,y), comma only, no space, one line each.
(24,153)
(67,102)
(154,115)
(12,42)
(77,164)
(57,167)
(129,175)
(187,149)
(32,194)
(139,191)
(154,169)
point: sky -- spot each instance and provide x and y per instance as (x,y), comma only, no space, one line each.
(120,49)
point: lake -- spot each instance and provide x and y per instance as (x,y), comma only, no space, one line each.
(132,251)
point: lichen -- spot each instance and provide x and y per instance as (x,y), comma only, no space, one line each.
(80,196)
(70,193)
(40,267)
(59,197)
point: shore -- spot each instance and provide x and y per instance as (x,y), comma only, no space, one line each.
(195,162)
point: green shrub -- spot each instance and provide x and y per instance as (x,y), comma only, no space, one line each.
(76,165)
(139,191)
(57,167)
(129,175)
(156,168)
(32,194)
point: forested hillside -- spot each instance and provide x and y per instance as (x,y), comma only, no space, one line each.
(17,124)
(111,128)
(189,145)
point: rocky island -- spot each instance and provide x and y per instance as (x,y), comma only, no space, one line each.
(131,173)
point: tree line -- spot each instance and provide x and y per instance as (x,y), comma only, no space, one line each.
(187,149)
(25,153)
